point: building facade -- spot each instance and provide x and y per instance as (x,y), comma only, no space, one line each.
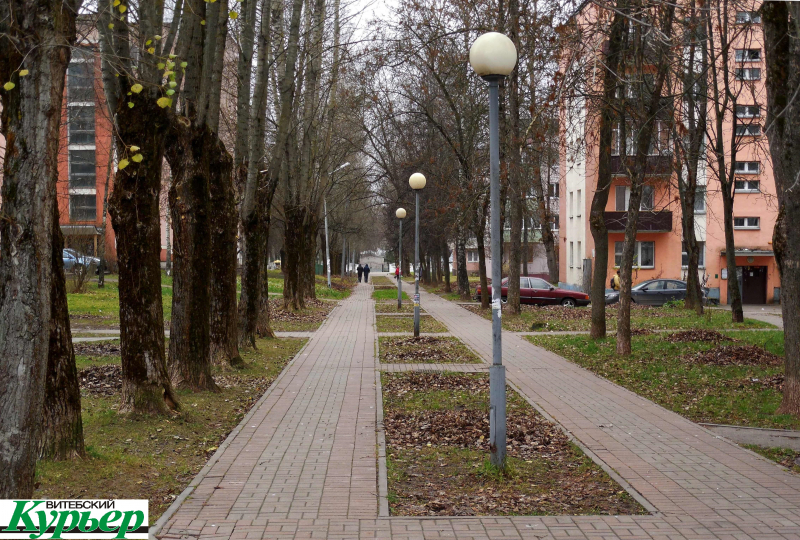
(659,242)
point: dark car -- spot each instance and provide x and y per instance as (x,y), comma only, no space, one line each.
(655,292)
(539,292)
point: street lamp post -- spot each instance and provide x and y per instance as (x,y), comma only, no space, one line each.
(493,56)
(417,182)
(401,215)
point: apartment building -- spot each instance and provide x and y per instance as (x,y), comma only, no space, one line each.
(659,242)
(86,142)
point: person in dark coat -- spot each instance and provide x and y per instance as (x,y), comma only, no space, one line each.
(366,273)
(360,270)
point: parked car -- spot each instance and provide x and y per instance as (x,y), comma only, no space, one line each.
(539,292)
(656,292)
(72,259)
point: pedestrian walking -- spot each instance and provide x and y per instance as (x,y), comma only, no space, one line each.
(366,273)
(615,281)
(397,273)
(360,270)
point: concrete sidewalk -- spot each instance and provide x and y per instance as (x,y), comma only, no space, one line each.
(303,464)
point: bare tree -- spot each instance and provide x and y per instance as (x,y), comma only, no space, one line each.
(781,23)
(35,36)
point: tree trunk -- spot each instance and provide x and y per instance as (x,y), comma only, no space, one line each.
(485,296)
(101,269)
(135,216)
(264,326)
(294,239)
(526,250)
(191,153)
(62,427)
(783,113)
(735,294)
(462,276)
(34,35)
(223,221)
(517,198)
(597,223)
(250,298)
(446,267)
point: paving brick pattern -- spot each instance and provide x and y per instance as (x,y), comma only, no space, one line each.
(304,464)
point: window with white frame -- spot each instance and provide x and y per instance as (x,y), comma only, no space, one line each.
(472,256)
(571,204)
(701,255)
(744,17)
(80,76)
(747,167)
(80,124)
(580,255)
(748,130)
(571,254)
(747,186)
(748,74)
(700,200)
(660,142)
(748,111)
(580,204)
(623,195)
(82,207)
(552,189)
(82,169)
(644,255)
(748,55)
(746,223)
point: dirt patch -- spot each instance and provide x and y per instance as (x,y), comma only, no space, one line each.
(391,307)
(437,431)
(97,348)
(427,324)
(735,355)
(310,318)
(105,380)
(425,350)
(641,332)
(695,336)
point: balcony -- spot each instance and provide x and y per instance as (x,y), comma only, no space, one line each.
(654,222)
(656,165)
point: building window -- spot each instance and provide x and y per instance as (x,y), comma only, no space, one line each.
(700,200)
(748,130)
(81,124)
(80,77)
(747,167)
(701,256)
(580,255)
(748,55)
(555,223)
(571,254)
(744,17)
(747,186)
(571,204)
(578,212)
(82,169)
(623,195)
(644,255)
(552,190)
(748,111)
(746,223)
(748,74)
(472,256)
(83,207)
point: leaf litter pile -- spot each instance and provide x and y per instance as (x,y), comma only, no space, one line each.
(287,320)
(437,432)
(735,355)
(425,350)
(697,336)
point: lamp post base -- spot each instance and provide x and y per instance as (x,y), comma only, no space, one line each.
(497,415)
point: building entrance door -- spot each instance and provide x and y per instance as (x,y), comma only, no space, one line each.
(754,284)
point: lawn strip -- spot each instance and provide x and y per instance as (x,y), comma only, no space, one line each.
(155,458)
(437,431)
(559,319)
(387,294)
(717,382)
(425,350)
(393,323)
(783,456)
(391,307)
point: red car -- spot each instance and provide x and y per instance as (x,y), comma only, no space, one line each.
(539,292)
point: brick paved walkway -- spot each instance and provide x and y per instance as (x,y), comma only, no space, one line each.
(304,463)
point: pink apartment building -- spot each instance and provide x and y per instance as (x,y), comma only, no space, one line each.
(659,252)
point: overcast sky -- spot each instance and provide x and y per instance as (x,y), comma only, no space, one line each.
(372,9)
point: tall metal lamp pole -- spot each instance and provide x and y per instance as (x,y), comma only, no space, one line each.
(493,56)
(401,215)
(417,182)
